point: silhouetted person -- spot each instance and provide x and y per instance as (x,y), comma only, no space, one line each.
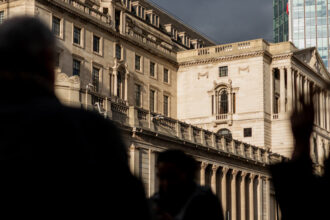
(55,161)
(300,193)
(179,197)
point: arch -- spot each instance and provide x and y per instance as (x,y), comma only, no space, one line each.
(225,132)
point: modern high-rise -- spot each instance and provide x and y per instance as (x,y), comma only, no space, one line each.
(308,24)
(280,21)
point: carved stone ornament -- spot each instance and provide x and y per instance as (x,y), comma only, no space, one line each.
(244,69)
(62,77)
(203,74)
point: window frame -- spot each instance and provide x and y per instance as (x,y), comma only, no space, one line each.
(100,45)
(168,75)
(223,68)
(166,111)
(61,26)
(82,35)
(3,17)
(121,51)
(247,132)
(138,95)
(97,86)
(154,69)
(74,60)
(140,62)
(153,104)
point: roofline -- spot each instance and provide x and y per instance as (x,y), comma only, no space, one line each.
(179,20)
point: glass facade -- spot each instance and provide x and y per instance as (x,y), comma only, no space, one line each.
(310,24)
(280,21)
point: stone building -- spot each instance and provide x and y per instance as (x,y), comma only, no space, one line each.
(167,86)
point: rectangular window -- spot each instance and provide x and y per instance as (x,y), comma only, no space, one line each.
(166,75)
(152,69)
(212,104)
(247,132)
(76,67)
(152,101)
(77,35)
(95,78)
(2,16)
(223,71)
(165,105)
(137,62)
(96,44)
(57,59)
(137,95)
(118,51)
(56,26)
(234,103)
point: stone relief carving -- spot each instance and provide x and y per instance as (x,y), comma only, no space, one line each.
(244,69)
(62,77)
(203,74)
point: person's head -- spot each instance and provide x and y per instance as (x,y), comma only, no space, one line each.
(176,170)
(27,51)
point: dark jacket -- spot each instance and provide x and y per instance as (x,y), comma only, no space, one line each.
(300,193)
(199,204)
(61,161)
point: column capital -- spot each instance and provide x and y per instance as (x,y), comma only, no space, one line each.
(234,172)
(252,175)
(204,165)
(243,174)
(215,168)
(224,170)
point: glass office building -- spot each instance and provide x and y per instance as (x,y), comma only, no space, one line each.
(280,21)
(308,24)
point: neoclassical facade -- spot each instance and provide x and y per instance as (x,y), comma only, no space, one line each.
(166,86)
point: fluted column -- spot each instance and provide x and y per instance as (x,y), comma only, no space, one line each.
(242,189)
(224,189)
(282,90)
(203,167)
(233,195)
(251,195)
(259,198)
(289,89)
(214,178)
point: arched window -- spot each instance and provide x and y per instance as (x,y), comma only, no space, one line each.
(225,132)
(223,102)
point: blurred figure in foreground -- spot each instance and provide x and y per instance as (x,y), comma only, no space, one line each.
(55,161)
(179,197)
(300,193)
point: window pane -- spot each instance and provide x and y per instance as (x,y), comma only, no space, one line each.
(247,132)
(118,51)
(2,16)
(95,78)
(76,35)
(223,102)
(165,105)
(137,62)
(137,95)
(152,101)
(56,27)
(96,44)
(76,67)
(166,75)
(223,71)
(152,69)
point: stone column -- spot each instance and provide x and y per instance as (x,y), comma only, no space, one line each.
(126,88)
(267,195)
(224,189)
(214,178)
(259,198)
(233,195)
(322,110)
(327,110)
(289,89)
(251,197)
(203,167)
(242,189)
(152,173)
(134,159)
(282,90)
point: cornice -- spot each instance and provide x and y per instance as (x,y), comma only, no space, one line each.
(224,58)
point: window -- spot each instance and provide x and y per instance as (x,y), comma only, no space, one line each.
(119,85)
(77,35)
(223,71)
(117,20)
(118,51)
(165,75)
(138,95)
(152,69)
(223,102)
(56,26)
(247,132)
(2,16)
(95,78)
(166,105)
(137,62)
(225,132)
(57,59)
(234,103)
(96,44)
(76,67)
(152,101)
